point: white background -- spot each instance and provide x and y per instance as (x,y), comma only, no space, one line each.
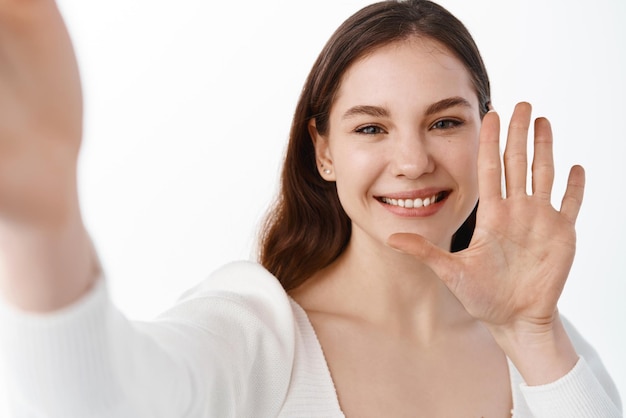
(188,107)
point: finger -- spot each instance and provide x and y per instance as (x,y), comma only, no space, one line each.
(489,167)
(439,260)
(543,161)
(573,197)
(515,152)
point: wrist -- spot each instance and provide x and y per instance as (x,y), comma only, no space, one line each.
(45,269)
(541,353)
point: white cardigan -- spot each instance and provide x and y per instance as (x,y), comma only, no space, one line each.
(235,346)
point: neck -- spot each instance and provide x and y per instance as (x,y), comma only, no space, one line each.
(385,288)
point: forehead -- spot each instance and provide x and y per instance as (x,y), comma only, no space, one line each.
(416,70)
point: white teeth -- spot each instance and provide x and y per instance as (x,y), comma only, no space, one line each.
(410,203)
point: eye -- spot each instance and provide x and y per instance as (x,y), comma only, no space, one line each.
(370,130)
(446,124)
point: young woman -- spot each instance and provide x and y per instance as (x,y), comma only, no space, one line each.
(385,288)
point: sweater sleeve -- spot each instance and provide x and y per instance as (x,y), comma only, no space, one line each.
(225,350)
(587,391)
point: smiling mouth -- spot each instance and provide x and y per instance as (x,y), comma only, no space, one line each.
(415,203)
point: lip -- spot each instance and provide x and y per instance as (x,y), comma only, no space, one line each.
(423,194)
(415,194)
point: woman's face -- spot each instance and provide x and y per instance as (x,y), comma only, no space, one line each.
(402,142)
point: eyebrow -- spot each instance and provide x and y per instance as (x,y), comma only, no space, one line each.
(447,104)
(382,112)
(375,111)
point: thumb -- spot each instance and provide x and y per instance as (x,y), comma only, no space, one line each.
(439,260)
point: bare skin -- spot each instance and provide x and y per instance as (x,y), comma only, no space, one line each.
(46,260)
(404,352)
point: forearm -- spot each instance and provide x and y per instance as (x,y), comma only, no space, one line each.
(555,378)
(45,268)
(88,360)
(578,394)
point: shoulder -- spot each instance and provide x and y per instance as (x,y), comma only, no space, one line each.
(238,291)
(238,278)
(241,303)
(239,326)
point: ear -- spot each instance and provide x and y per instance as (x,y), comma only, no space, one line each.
(323,157)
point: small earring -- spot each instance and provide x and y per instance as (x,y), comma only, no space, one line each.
(327,171)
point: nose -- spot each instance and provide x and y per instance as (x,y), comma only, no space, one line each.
(411,157)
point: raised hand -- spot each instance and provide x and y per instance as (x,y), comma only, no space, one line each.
(40,113)
(513,272)
(44,250)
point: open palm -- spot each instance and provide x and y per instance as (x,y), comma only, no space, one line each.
(516,265)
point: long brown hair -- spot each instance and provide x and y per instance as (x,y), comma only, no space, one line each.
(307,228)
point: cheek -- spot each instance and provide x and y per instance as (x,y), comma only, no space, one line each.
(355,165)
(469,164)
(461,162)
(356,171)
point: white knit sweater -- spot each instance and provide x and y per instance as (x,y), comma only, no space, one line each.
(235,346)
